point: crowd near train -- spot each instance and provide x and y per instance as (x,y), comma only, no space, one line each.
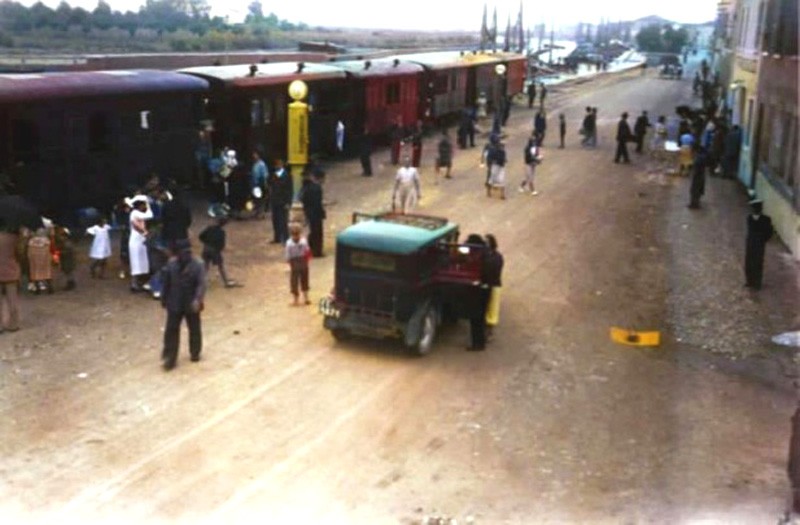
(72,140)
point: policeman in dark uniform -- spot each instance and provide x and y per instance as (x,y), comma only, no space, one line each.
(759,231)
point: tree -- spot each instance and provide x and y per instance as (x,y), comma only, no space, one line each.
(101,16)
(256,12)
(674,39)
(649,39)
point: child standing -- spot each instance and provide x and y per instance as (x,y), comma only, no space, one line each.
(101,248)
(40,262)
(297,254)
(213,239)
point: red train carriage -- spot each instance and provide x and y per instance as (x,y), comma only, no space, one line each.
(453,80)
(247,105)
(516,68)
(382,90)
(70,140)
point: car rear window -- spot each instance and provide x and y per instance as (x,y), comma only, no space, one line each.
(379,262)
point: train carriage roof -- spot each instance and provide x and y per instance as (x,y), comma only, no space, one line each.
(450,59)
(38,86)
(378,67)
(395,234)
(265,74)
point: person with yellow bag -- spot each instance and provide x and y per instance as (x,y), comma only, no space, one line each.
(493,270)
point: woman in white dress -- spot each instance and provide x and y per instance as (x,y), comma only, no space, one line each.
(140,265)
(406,188)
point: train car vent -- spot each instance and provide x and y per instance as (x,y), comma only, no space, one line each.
(367,64)
(396,62)
(253,70)
(300,66)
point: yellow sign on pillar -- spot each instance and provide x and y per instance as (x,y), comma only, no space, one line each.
(298,133)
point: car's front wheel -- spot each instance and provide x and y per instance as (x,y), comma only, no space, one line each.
(427,333)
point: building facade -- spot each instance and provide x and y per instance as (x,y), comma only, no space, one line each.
(741,101)
(775,138)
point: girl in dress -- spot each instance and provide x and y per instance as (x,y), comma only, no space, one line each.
(101,248)
(40,262)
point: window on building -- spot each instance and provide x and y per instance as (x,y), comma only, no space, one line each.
(24,140)
(393,93)
(780,30)
(99,133)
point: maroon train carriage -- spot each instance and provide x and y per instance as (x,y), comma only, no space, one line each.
(516,72)
(247,105)
(71,140)
(381,90)
(453,80)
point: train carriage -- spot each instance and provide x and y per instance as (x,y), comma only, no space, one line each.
(454,80)
(382,91)
(71,140)
(247,105)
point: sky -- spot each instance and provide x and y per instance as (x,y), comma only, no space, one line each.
(443,14)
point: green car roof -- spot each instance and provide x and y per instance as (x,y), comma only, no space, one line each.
(392,237)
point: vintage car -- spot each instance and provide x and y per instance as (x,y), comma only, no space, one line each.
(401,276)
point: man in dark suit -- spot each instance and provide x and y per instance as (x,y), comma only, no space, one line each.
(623,137)
(640,130)
(184,287)
(280,199)
(314,211)
(759,231)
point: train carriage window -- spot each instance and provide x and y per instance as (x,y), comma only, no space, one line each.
(99,133)
(441,84)
(24,140)
(266,111)
(393,93)
(255,113)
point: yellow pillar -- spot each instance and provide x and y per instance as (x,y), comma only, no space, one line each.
(297,155)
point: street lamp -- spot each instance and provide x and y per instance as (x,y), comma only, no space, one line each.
(297,156)
(499,107)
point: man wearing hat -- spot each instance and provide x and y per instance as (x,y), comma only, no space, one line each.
(184,288)
(759,231)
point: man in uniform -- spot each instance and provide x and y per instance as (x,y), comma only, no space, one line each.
(759,231)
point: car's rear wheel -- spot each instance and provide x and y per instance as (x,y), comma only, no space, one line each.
(427,333)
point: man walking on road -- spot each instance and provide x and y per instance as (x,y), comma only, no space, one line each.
(182,297)
(623,137)
(640,130)
(540,125)
(531,94)
(542,95)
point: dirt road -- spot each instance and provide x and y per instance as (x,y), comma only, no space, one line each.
(280,424)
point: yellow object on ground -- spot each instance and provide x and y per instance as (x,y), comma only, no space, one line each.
(493,308)
(634,338)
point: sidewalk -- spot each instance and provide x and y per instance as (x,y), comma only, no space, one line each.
(708,307)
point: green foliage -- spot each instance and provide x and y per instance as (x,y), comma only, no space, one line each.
(34,25)
(662,39)
(6,40)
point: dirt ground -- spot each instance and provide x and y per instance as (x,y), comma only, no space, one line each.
(554,423)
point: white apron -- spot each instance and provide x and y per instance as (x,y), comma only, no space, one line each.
(140,265)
